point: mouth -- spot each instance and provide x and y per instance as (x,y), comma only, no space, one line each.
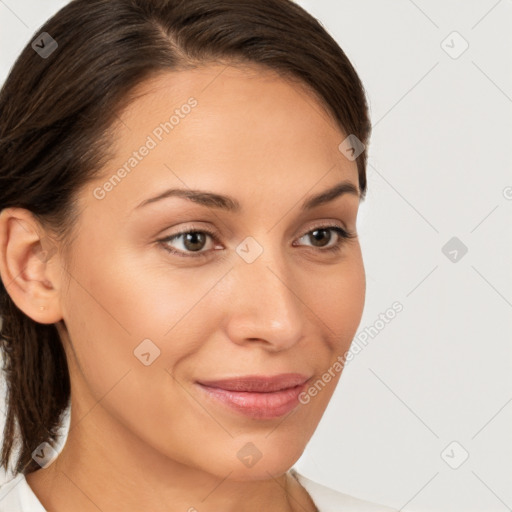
(256,396)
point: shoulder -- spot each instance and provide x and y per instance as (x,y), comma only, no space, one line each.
(17,496)
(10,491)
(330,500)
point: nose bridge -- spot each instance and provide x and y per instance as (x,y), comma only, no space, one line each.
(267,305)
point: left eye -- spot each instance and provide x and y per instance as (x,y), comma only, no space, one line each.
(193,241)
(317,235)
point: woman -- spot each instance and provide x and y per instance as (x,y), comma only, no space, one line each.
(178,252)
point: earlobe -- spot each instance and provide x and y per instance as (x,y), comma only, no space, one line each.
(28,266)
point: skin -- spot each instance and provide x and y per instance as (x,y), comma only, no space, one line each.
(144,437)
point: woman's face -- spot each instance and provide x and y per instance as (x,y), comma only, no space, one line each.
(257,291)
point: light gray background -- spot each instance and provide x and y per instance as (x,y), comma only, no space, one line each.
(440,167)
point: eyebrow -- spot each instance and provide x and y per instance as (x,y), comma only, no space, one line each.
(228,203)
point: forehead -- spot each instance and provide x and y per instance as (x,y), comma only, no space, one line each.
(244,100)
(219,127)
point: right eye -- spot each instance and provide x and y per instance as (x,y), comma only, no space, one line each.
(192,242)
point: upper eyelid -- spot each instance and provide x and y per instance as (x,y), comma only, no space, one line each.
(215,233)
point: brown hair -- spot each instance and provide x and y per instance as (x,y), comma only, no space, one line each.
(56,119)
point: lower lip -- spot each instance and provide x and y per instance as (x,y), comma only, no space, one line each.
(258,405)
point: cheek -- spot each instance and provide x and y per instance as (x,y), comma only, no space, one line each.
(108,315)
(338,300)
(129,310)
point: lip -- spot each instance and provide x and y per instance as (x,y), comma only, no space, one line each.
(257,396)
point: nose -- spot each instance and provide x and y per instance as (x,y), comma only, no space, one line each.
(265,304)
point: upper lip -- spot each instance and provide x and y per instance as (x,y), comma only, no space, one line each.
(258,383)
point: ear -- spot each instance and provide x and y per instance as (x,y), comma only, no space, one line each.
(29,265)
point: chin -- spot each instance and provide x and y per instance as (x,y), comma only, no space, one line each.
(261,458)
(260,471)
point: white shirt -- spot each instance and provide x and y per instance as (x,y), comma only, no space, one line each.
(17,496)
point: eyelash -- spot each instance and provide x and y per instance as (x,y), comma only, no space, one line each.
(344,235)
